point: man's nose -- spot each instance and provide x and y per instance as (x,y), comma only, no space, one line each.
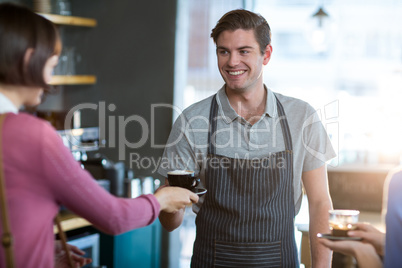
(233,59)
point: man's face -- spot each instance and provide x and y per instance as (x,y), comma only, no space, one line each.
(239,59)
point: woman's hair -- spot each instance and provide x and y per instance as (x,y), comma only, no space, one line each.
(246,20)
(20,30)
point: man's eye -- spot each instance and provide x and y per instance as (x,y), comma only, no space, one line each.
(244,52)
(222,52)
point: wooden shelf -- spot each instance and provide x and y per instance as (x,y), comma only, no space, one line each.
(70,20)
(70,221)
(73,80)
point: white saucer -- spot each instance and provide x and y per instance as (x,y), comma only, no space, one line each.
(331,237)
(199,191)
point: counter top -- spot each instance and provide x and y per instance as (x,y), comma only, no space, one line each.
(362,168)
(70,221)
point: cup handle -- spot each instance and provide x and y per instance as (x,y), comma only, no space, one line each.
(196,182)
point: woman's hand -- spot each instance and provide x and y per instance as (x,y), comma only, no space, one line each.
(371,235)
(346,247)
(61,259)
(173,199)
(364,253)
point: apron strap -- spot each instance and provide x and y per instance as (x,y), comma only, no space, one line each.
(213,118)
(7,238)
(285,126)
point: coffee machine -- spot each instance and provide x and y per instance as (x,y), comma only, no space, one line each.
(84,145)
(102,168)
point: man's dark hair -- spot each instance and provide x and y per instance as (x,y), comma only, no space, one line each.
(246,20)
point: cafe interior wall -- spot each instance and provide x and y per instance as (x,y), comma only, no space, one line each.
(131,51)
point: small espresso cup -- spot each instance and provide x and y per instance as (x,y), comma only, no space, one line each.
(342,220)
(183,178)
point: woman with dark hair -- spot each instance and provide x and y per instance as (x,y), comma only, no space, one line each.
(39,172)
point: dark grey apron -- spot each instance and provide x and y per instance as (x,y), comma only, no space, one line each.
(247,218)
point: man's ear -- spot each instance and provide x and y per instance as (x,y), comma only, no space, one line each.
(267,54)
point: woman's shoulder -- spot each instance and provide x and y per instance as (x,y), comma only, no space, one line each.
(28,125)
(395,178)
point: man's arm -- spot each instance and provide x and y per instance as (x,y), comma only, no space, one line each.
(170,221)
(316,185)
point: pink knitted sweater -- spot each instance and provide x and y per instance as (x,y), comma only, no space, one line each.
(40,175)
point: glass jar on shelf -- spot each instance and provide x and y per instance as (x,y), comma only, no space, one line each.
(62,7)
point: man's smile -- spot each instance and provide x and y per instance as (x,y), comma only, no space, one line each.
(236,72)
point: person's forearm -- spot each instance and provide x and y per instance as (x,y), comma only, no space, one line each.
(320,255)
(170,221)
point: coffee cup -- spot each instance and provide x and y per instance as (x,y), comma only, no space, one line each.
(183,178)
(342,220)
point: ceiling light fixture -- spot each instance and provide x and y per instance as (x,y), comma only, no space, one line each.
(321,15)
(320,30)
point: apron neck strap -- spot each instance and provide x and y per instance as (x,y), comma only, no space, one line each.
(213,118)
(284,125)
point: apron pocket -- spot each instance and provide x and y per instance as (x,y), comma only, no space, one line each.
(234,254)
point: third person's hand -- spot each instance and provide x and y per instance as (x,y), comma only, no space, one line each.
(370,235)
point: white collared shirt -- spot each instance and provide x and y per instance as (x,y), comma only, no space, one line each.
(6,106)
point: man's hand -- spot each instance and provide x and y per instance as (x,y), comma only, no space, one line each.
(173,202)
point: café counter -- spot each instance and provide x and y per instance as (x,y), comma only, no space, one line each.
(140,248)
(70,221)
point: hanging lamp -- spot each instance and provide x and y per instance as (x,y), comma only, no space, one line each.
(320,15)
(320,30)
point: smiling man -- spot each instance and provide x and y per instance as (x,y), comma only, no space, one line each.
(253,150)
